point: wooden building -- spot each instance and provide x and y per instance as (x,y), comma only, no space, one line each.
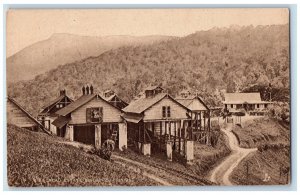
(250,103)
(18,116)
(200,115)
(48,112)
(158,122)
(114,99)
(91,120)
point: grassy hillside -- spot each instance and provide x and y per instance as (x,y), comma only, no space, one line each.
(261,131)
(36,159)
(206,61)
(268,162)
(272,137)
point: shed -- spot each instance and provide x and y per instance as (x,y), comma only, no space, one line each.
(18,116)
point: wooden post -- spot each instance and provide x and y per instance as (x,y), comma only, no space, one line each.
(201,120)
(160,135)
(144,139)
(175,135)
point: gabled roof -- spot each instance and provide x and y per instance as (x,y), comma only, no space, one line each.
(187,101)
(140,105)
(152,88)
(84,99)
(76,104)
(29,115)
(49,106)
(241,98)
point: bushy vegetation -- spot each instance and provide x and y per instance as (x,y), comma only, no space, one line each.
(36,159)
(231,59)
(261,131)
(208,157)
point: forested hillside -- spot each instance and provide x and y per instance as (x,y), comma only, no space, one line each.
(232,59)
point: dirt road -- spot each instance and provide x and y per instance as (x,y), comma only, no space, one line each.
(221,173)
(162,175)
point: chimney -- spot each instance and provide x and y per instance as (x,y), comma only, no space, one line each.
(62,92)
(83,90)
(87,89)
(92,89)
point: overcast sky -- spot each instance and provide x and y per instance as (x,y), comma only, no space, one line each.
(25,27)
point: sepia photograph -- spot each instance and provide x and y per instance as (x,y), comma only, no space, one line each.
(148,97)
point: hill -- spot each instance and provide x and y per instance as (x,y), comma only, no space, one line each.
(63,48)
(231,59)
(36,159)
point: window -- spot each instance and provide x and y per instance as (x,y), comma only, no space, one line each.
(94,115)
(166,111)
(57,105)
(231,105)
(257,105)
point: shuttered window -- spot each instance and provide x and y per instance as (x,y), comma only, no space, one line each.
(94,115)
(166,111)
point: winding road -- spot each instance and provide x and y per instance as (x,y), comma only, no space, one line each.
(220,174)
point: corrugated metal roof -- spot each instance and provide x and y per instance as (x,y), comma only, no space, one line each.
(74,105)
(240,98)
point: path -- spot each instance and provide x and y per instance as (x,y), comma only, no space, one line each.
(162,175)
(129,164)
(221,173)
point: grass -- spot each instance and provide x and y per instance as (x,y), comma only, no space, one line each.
(262,163)
(272,138)
(36,159)
(261,131)
(206,158)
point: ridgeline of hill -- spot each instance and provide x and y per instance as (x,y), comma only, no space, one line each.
(234,59)
(62,48)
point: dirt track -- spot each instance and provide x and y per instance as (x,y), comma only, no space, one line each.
(221,173)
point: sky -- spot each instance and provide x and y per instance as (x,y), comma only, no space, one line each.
(25,27)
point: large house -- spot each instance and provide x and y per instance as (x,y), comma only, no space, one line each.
(157,121)
(48,112)
(91,120)
(245,102)
(18,116)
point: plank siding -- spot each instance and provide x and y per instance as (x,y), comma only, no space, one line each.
(110,113)
(17,117)
(155,112)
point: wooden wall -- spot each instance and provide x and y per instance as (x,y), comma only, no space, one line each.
(155,112)
(196,105)
(17,117)
(110,113)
